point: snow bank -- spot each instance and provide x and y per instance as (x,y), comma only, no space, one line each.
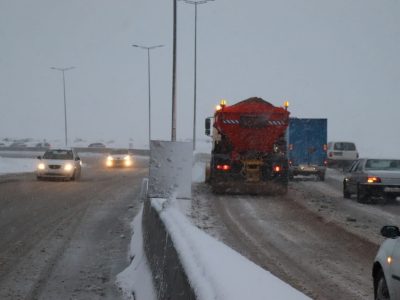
(214,270)
(17,165)
(198,171)
(135,281)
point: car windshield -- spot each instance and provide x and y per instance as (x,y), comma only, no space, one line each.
(58,154)
(345,146)
(382,164)
(119,151)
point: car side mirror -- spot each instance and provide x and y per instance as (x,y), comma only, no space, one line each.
(77,158)
(39,157)
(390,231)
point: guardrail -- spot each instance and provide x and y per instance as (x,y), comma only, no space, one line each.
(170,279)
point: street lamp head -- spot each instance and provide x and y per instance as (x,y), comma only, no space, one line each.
(196,2)
(157,46)
(147,47)
(62,69)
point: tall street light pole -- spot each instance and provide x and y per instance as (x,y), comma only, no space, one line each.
(195,3)
(148,73)
(63,70)
(173,125)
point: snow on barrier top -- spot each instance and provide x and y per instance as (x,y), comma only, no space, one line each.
(214,270)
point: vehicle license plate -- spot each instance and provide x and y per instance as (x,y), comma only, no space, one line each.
(338,153)
(309,169)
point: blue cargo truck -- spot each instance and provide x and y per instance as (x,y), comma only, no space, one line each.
(307,145)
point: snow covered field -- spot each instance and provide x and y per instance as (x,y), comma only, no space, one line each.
(17,165)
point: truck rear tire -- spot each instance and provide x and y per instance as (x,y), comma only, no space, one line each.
(321,176)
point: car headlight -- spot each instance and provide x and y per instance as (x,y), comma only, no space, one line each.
(41,166)
(110,158)
(127,157)
(68,167)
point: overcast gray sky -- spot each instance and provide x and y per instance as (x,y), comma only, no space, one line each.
(332,59)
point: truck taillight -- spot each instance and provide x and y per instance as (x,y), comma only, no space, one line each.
(325,162)
(290,147)
(325,147)
(373,179)
(223,167)
(277,168)
(290,162)
(330,154)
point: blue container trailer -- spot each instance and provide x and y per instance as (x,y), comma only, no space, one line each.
(307,146)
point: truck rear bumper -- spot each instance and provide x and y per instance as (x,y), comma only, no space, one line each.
(270,187)
(306,170)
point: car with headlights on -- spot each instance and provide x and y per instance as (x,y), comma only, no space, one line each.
(119,158)
(61,163)
(386,266)
(370,179)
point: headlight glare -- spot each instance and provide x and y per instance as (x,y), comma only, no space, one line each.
(41,166)
(68,167)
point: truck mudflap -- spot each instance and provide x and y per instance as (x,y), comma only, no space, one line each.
(252,188)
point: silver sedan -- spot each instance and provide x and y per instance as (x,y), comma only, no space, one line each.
(370,179)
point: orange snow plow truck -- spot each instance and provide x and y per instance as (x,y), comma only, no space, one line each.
(248,148)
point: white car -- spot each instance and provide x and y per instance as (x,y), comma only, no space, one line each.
(386,268)
(341,153)
(59,163)
(119,158)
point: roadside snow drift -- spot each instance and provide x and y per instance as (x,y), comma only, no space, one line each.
(214,270)
(17,165)
(135,281)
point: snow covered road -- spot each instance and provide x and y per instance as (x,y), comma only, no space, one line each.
(67,240)
(297,241)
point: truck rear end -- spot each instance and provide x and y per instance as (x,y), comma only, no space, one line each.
(249,148)
(307,146)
